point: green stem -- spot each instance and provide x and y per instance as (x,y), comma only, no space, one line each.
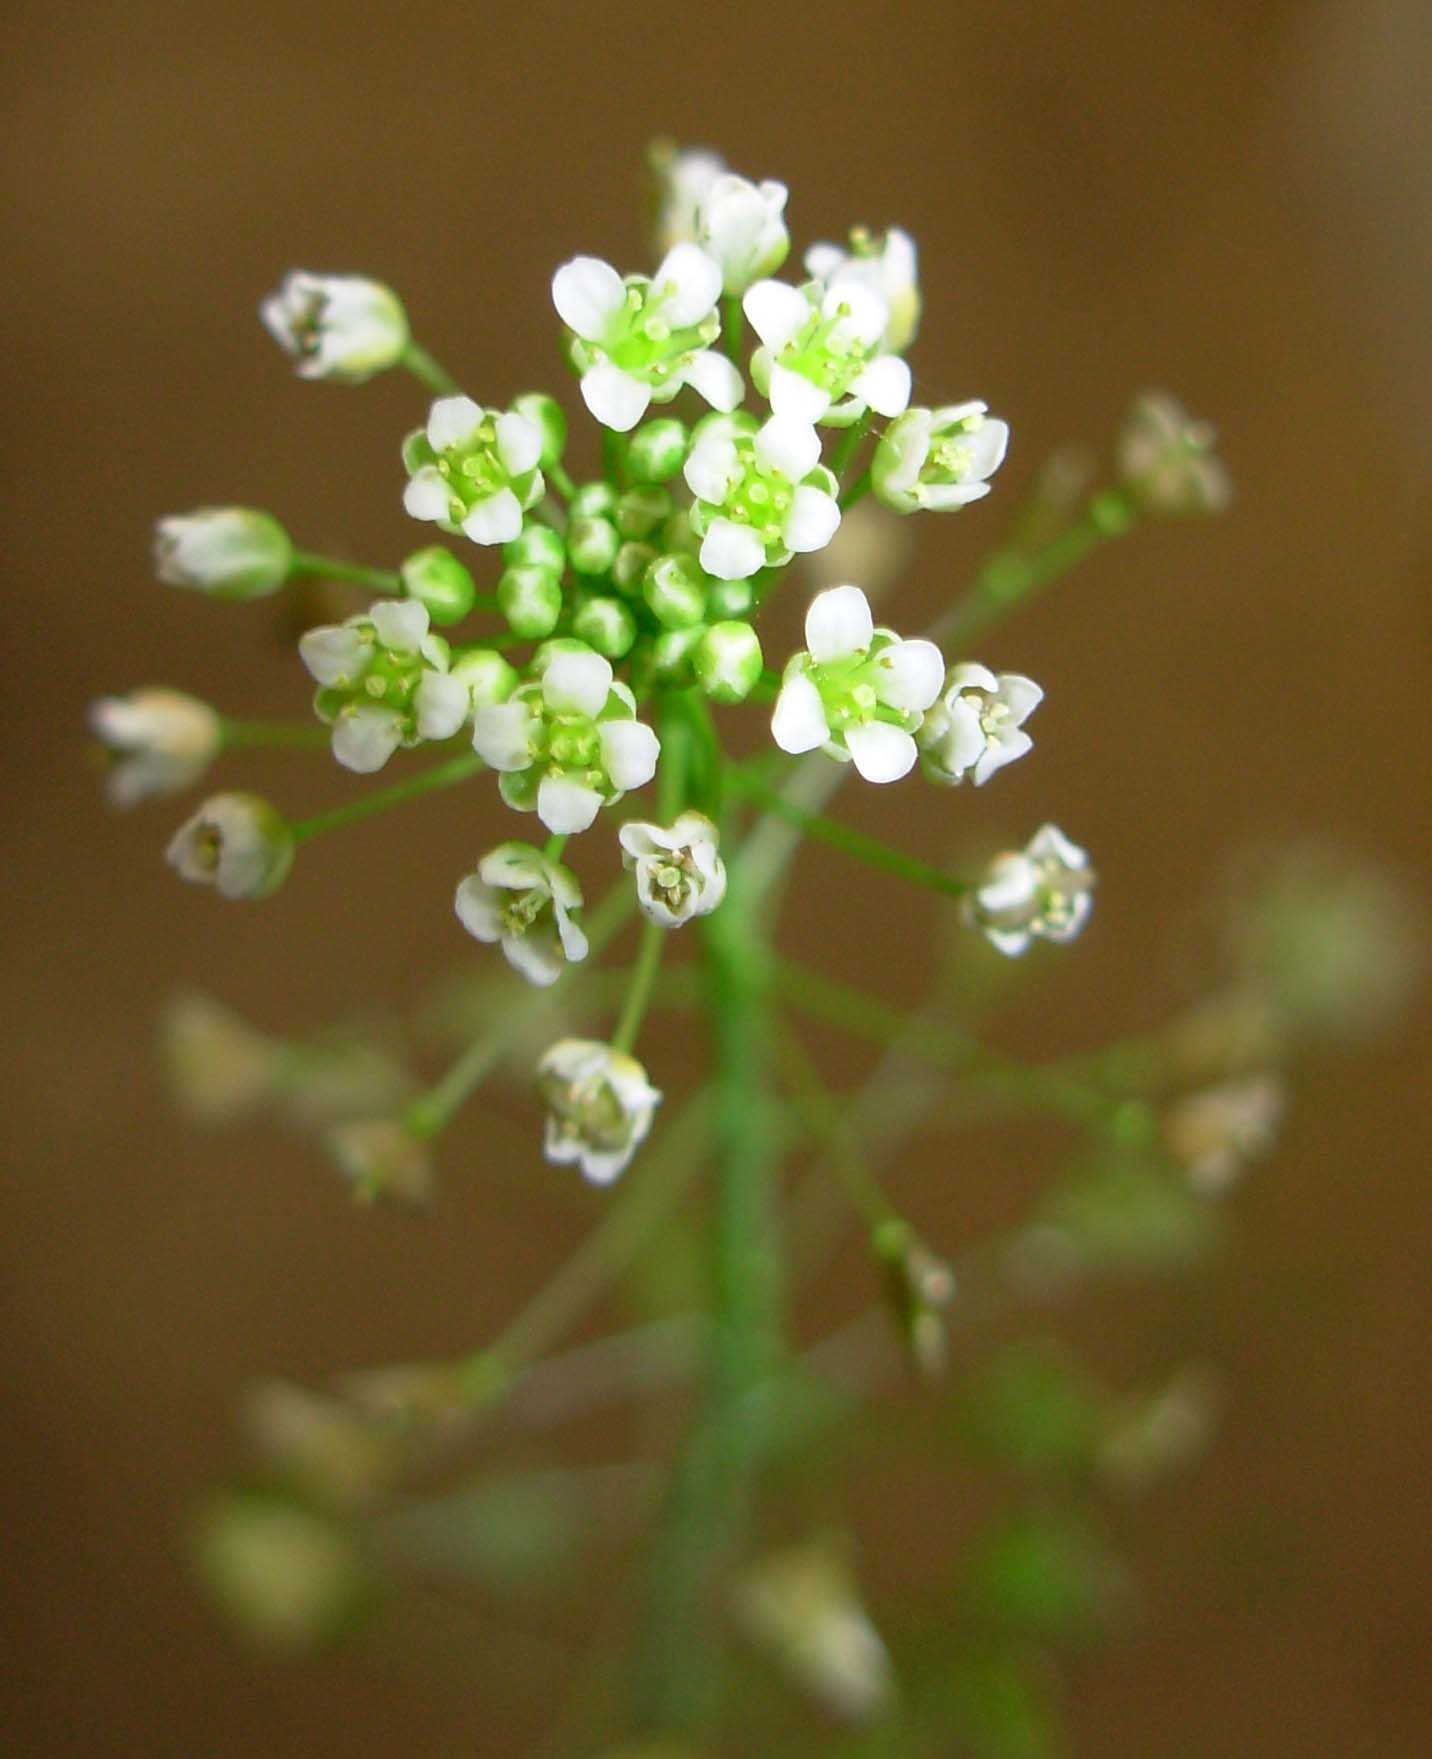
(856,492)
(330,568)
(614,458)
(427,370)
(554,847)
(441,775)
(648,962)
(823,1116)
(560,481)
(733,326)
(848,445)
(300,735)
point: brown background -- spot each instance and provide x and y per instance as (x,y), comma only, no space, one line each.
(1230,199)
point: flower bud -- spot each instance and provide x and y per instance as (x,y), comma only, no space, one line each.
(728,599)
(162,742)
(592,544)
(630,566)
(1166,460)
(381,1157)
(679,870)
(486,674)
(287,1579)
(1215,1133)
(671,654)
(918,1287)
(341,327)
(237,843)
(657,450)
(595,500)
(641,511)
(599,1107)
(727,661)
(675,592)
(546,412)
(606,624)
(217,1066)
(537,543)
(438,581)
(740,225)
(529,596)
(227,552)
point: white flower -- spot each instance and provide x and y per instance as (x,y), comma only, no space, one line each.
(163,741)
(228,552)
(938,459)
(218,1067)
(381,1157)
(520,897)
(237,843)
(1043,890)
(740,224)
(761,494)
(857,691)
(342,327)
(1167,462)
(386,681)
(639,341)
(889,268)
(683,179)
(823,356)
(1216,1132)
(566,742)
(474,470)
(679,870)
(976,726)
(599,1107)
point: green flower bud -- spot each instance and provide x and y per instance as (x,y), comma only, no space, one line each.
(549,650)
(593,501)
(592,544)
(640,511)
(671,654)
(436,579)
(530,597)
(729,598)
(607,624)
(537,543)
(226,552)
(632,562)
(675,592)
(727,661)
(546,412)
(677,536)
(488,676)
(657,450)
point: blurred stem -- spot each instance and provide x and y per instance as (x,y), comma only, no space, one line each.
(734,327)
(823,1116)
(301,735)
(643,978)
(856,492)
(330,568)
(848,445)
(441,775)
(559,479)
(428,370)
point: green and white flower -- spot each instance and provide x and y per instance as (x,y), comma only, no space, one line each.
(888,266)
(237,843)
(976,725)
(683,178)
(162,741)
(938,459)
(761,494)
(227,552)
(679,870)
(1043,891)
(527,902)
(385,681)
(823,355)
(380,1157)
(1167,460)
(1215,1132)
(567,741)
(474,470)
(741,225)
(599,1107)
(342,327)
(640,340)
(857,691)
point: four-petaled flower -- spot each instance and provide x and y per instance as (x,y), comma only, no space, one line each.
(237,843)
(1044,890)
(342,327)
(823,356)
(474,470)
(679,870)
(976,725)
(762,494)
(857,691)
(639,340)
(162,740)
(599,1107)
(567,741)
(525,900)
(888,266)
(938,459)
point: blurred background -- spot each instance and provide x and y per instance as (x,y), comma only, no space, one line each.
(1229,199)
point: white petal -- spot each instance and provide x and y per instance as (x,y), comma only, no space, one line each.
(401,624)
(534,955)
(714,377)
(577,684)
(798,723)
(519,442)
(882,753)
(574,941)
(988,445)
(911,674)
(478,909)
(426,496)
(791,447)
(822,261)
(776,311)
(1002,751)
(730,551)
(812,520)
(965,743)
(1049,840)
(885,385)
(587,294)
(838,623)
(497,520)
(695,281)
(1021,694)
(451,420)
(502,735)
(970,675)
(711,467)
(334,654)
(945,497)
(514,867)
(866,313)
(566,807)
(1009,941)
(442,704)
(794,395)
(630,750)
(616,399)
(1011,885)
(365,738)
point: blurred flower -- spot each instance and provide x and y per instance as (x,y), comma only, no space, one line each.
(683,178)
(342,327)
(1161,1433)
(340,1456)
(237,843)
(218,1066)
(741,226)
(163,741)
(1043,890)
(227,552)
(1214,1134)
(1166,460)
(599,1107)
(287,1579)
(380,1157)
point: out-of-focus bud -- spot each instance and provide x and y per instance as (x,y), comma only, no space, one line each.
(437,580)
(218,1067)
(802,1606)
(285,1578)
(675,592)
(333,1453)
(682,180)
(641,511)
(382,1158)
(1162,1433)
(919,1286)
(237,843)
(1166,461)
(341,327)
(227,552)
(1214,1134)
(657,450)
(162,741)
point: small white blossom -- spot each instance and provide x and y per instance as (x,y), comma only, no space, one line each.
(1216,1132)
(385,681)
(938,459)
(380,1157)
(599,1107)
(236,843)
(227,552)
(1044,890)
(976,725)
(761,494)
(342,327)
(823,356)
(857,691)
(639,340)
(163,741)
(474,470)
(521,898)
(566,742)
(683,178)
(1167,462)
(889,267)
(679,870)
(741,225)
